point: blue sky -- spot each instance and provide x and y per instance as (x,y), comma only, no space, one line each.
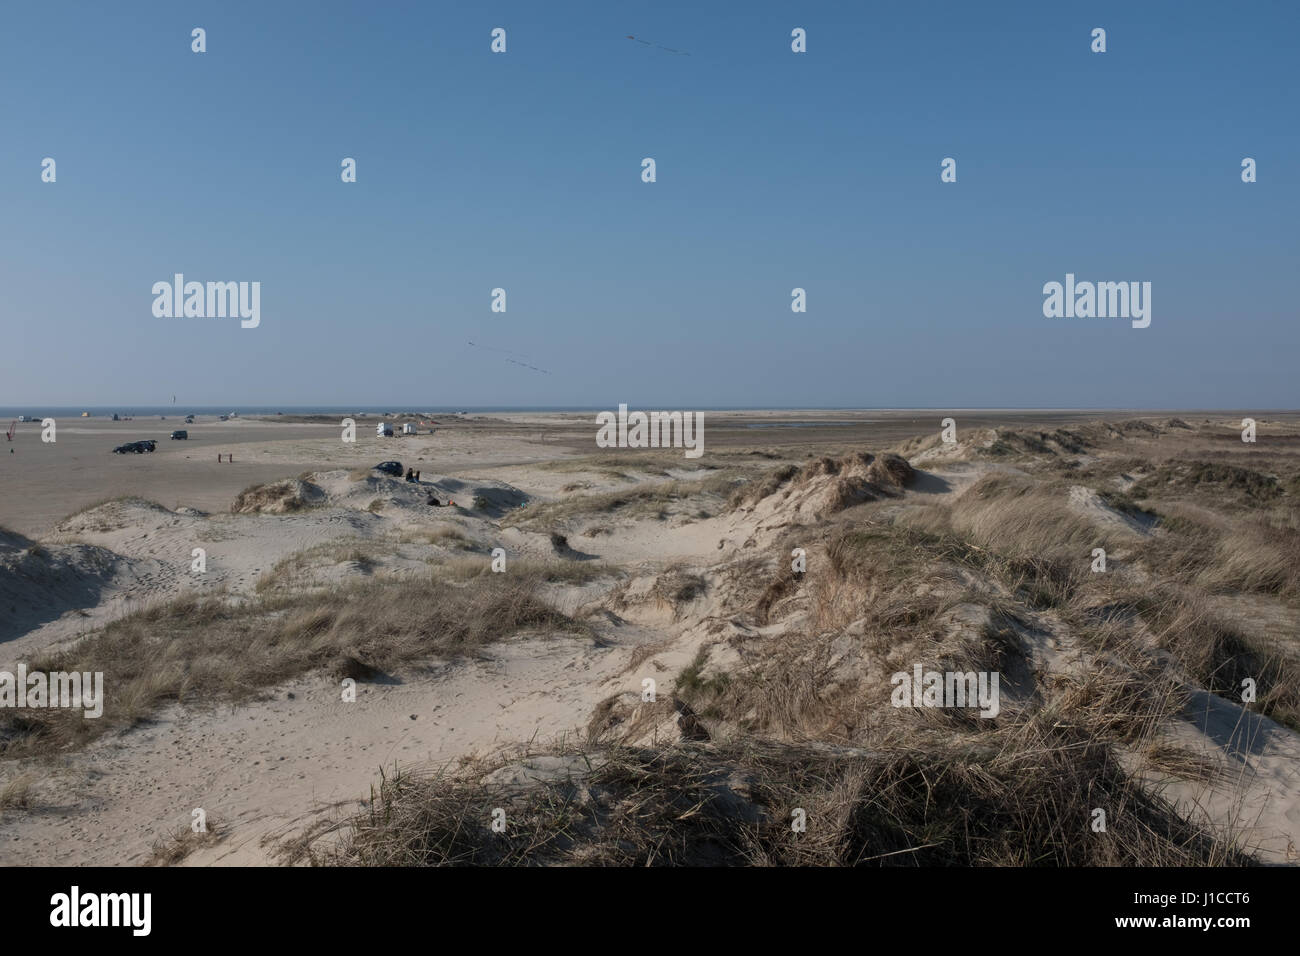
(775,170)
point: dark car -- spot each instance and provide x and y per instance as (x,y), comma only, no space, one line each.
(180,435)
(147,445)
(136,447)
(393,468)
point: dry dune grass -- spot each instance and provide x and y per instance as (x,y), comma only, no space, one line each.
(780,586)
(174,847)
(17,791)
(1220,479)
(678,585)
(1251,556)
(197,650)
(1022,796)
(645,500)
(863,618)
(1219,654)
(295,570)
(1023,537)
(445,535)
(894,578)
(647,462)
(457,560)
(529,571)
(1020,517)
(853,478)
(763,487)
(278,497)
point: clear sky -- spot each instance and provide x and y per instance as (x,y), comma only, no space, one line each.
(775,170)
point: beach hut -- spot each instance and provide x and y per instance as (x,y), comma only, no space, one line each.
(408,429)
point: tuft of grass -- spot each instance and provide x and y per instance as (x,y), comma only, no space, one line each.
(692,686)
(174,847)
(677,586)
(16,793)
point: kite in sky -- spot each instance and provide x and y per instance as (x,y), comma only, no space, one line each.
(489,348)
(658,46)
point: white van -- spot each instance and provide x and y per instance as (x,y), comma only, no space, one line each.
(383,430)
(408,429)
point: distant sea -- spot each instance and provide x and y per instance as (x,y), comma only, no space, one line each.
(108,411)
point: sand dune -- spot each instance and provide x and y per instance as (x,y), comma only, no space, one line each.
(974,553)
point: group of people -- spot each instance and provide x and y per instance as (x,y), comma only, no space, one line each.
(412,475)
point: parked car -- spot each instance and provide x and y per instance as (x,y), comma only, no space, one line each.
(136,447)
(180,435)
(393,468)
